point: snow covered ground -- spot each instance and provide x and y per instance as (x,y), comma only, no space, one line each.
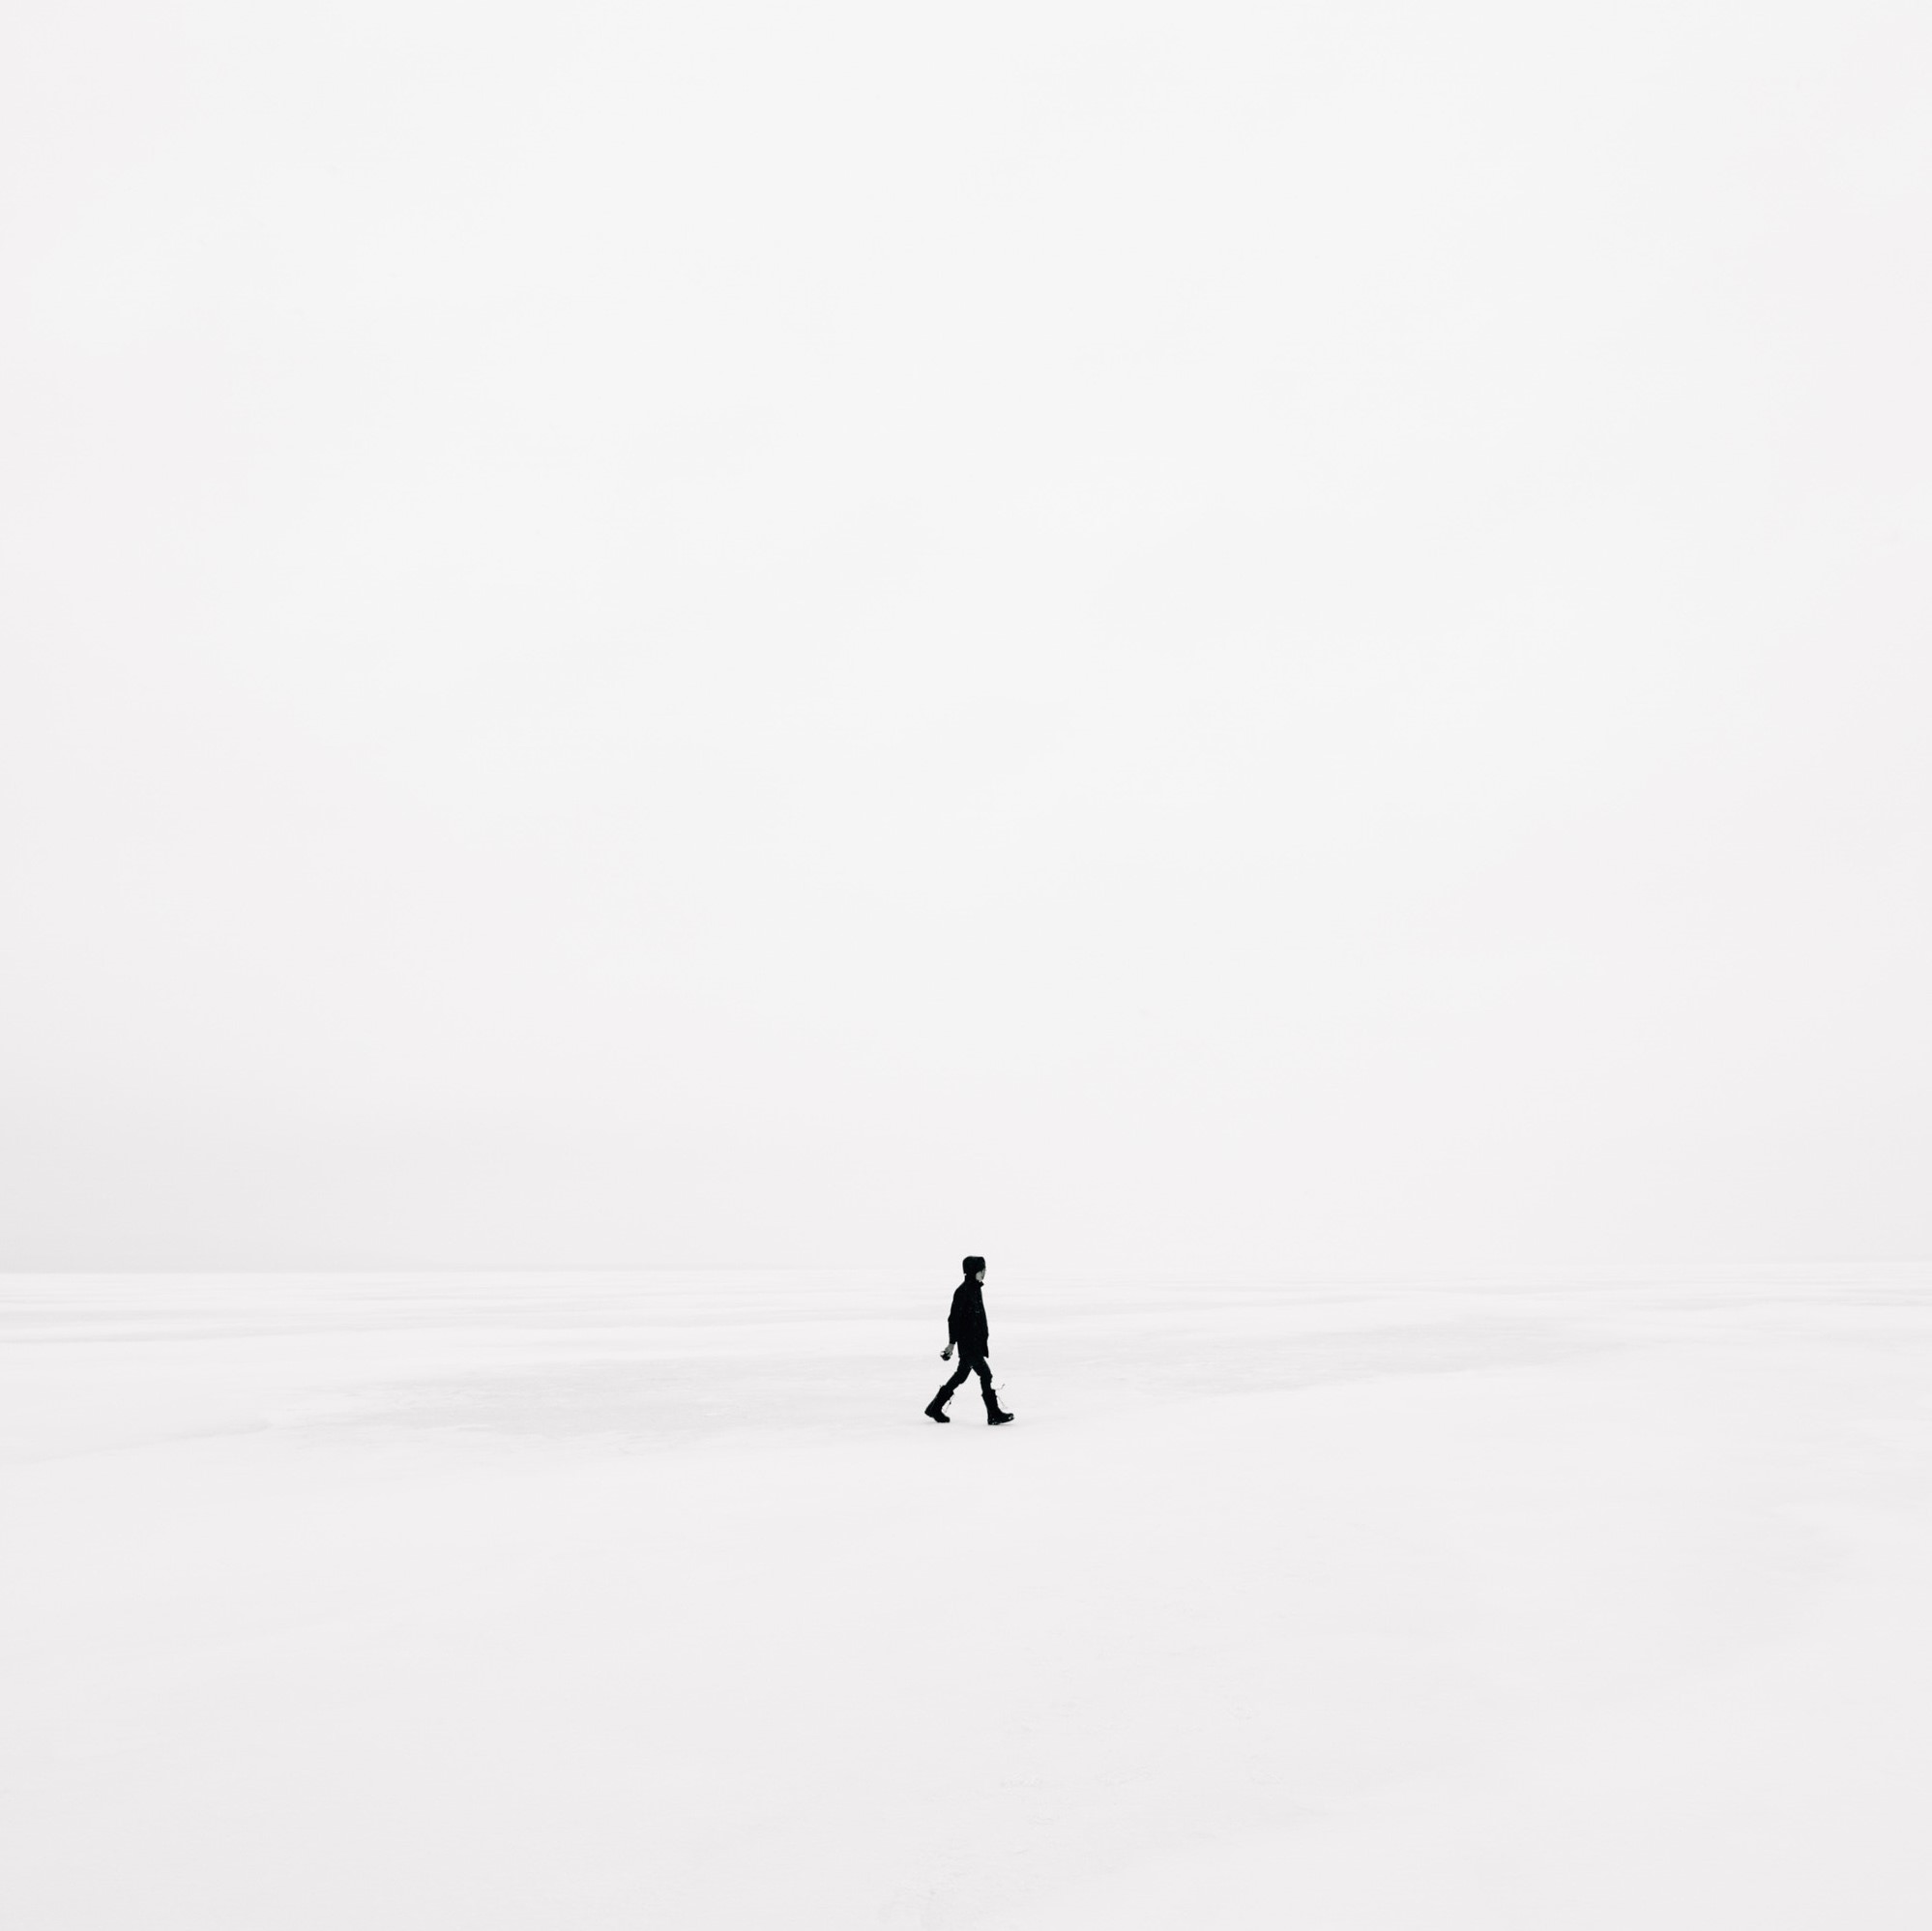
(653,1602)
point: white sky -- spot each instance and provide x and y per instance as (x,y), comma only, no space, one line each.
(1284,634)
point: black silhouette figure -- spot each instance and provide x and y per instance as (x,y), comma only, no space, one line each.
(966,1331)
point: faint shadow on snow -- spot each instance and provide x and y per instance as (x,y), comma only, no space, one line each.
(1055,1378)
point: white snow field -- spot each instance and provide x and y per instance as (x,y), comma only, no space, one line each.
(561,1603)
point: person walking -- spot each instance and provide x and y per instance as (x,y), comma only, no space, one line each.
(966,1331)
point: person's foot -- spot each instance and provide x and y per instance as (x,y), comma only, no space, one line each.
(998,1416)
(937,1413)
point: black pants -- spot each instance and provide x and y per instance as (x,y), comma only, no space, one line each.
(969,1364)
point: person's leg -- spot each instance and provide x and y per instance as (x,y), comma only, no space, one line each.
(983,1369)
(937,1404)
(995,1414)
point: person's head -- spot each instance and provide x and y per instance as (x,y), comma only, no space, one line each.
(975,1267)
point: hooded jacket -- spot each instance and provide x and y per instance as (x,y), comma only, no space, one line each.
(966,1324)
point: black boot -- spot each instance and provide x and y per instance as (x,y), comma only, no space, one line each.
(936,1408)
(995,1415)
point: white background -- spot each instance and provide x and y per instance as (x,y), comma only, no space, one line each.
(1286,634)
(479,1604)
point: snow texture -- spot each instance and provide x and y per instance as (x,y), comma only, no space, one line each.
(653,1600)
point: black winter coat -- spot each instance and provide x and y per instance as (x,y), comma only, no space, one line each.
(966,1325)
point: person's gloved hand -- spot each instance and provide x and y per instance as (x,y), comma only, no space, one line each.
(946,1353)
